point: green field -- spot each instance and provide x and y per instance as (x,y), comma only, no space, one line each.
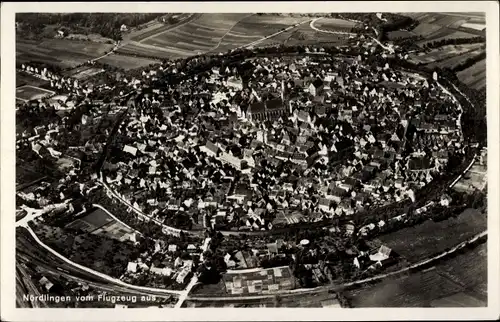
(474,76)
(100,223)
(210,33)
(437,26)
(460,281)
(443,53)
(127,62)
(28,93)
(61,52)
(26,175)
(23,78)
(423,240)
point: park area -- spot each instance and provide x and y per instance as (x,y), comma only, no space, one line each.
(27,93)
(60,52)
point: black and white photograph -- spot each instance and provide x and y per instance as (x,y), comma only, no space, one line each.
(281,159)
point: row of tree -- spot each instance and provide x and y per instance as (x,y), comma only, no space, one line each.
(469,62)
(454,41)
(106,24)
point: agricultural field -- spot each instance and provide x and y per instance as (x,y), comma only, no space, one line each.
(208,32)
(98,222)
(438,26)
(454,61)
(460,281)
(447,19)
(421,241)
(198,36)
(260,281)
(142,50)
(475,25)
(304,34)
(446,33)
(249,282)
(27,93)
(443,53)
(61,52)
(126,62)
(84,72)
(312,300)
(471,270)
(154,27)
(25,176)
(474,76)
(23,78)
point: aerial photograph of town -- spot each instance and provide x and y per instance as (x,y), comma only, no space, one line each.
(239,160)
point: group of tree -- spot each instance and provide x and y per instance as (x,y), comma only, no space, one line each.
(454,41)
(469,62)
(106,24)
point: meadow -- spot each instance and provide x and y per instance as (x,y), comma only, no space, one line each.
(60,52)
(474,76)
(460,281)
(421,241)
(28,93)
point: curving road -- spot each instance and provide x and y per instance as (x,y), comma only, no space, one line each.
(311,24)
(98,274)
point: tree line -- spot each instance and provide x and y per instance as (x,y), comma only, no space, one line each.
(106,24)
(469,62)
(454,41)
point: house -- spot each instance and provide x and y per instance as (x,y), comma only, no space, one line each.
(235,83)
(325,205)
(211,149)
(383,253)
(445,200)
(320,110)
(229,262)
(130,149)
(398,183)
(269,110)
(132,267)
(272,248)
(336,194)
(316,87)
(361,198)
(304,116)
(44,281)
(165,271)
(183,274)
(241,193)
